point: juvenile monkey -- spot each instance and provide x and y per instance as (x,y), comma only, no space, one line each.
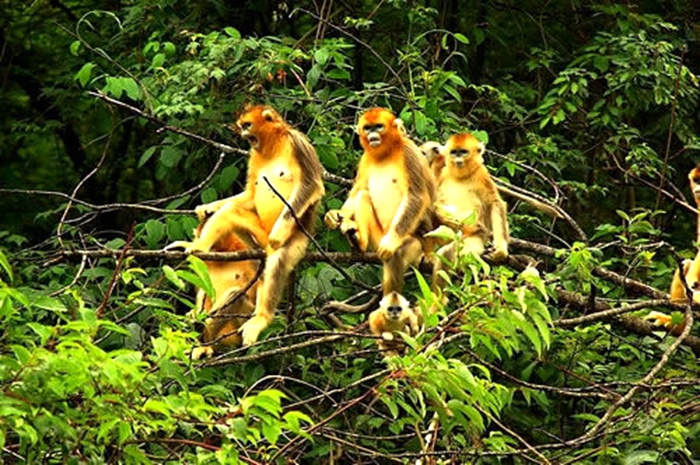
(284,158)
(432,151)
(394,314)
(464,189)
(389,206)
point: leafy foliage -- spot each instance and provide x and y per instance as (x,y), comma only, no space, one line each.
(596,106)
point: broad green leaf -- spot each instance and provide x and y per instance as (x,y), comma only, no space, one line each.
(83,76)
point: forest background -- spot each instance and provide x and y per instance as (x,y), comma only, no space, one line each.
(114,127)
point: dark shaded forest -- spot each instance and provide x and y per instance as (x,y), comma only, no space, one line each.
(117,122)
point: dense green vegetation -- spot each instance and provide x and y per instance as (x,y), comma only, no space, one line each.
(591,105)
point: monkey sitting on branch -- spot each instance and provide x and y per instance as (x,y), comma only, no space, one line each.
(283,173)
(394,315)
(465,190)
(390,204)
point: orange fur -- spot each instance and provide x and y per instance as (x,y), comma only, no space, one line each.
(283,157)
(390,204)
(393,315)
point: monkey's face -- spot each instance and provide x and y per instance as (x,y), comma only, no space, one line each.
(463,148)
(431,150)
(394,312)
(256,123)
(694,178)
(378,128)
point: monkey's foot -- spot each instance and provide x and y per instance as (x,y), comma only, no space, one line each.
(499,254)
(659,319)
(251,329)
(201,352)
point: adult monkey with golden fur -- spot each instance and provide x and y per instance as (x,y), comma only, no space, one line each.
(389,205)
(691,271)
(284,158)
(432,151)
(464,189)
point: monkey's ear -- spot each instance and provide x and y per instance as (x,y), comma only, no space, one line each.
(268,114)
(481,147)
(398,124)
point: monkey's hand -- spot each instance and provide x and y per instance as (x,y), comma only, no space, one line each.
(205,211)
(278,236)
(334,218)
(387,336)
(388,246)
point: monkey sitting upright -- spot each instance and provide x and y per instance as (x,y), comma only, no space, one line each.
(281,157)
(432,151)
(389,206)
(690,272)
(394,314)
(464,189)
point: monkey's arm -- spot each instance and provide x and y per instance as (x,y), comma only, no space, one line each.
(245,199)
(499,224)
(376,322)
(307,192)
(335,218)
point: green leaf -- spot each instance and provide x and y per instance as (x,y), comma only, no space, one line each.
(272,431)
(208,195)
(44,332)
(232,32)
(313,75)
(227,177)
(421,122)
(83,76)
(461,38)
(170,155)
(5,265)
(202,272)
(158,60)
(641,456)
(321,55)
(75,47)
(173,277)
(21,354)
(131,88)
(147,154)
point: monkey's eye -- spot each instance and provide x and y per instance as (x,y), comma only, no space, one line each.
(459,152)
(696,180)
(394,309)
(373,127)
(246,126)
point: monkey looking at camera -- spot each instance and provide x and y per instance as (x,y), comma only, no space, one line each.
(389,206)
(393,315)
(465,190)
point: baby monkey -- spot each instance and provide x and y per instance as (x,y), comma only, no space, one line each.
(394,314)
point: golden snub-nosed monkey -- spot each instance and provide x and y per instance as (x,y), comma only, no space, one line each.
(465,189)
(283,157)
(393,315)
(389,206)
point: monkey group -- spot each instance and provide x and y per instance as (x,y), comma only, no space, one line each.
(400,193)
